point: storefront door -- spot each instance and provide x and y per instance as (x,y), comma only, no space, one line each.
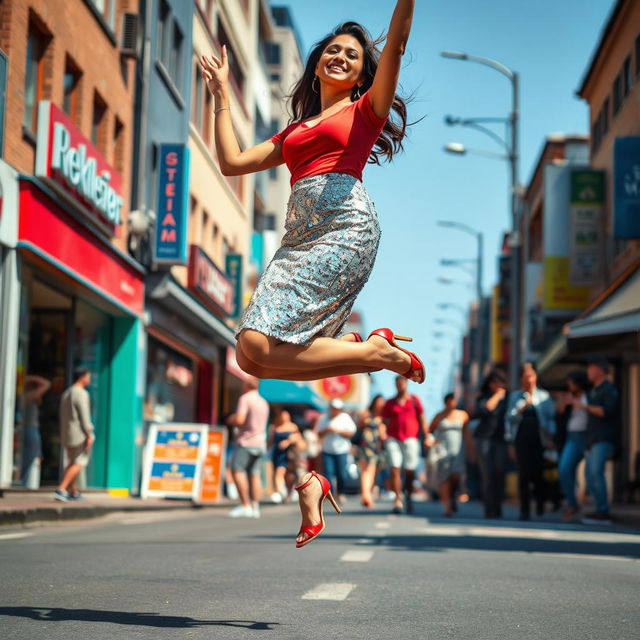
(58,333)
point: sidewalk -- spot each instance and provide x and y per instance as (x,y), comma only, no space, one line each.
(24,508)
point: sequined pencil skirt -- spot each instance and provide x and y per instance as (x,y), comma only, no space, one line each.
(326,257)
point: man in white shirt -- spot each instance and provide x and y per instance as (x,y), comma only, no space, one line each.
(335,430)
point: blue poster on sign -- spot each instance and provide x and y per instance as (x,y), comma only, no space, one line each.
(173,202)
(626,187)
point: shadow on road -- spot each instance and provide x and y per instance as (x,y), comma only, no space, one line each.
(131,618)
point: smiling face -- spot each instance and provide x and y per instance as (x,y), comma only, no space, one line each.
(341,62)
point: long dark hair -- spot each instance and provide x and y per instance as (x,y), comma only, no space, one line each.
(305,102)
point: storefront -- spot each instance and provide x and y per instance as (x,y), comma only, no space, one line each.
(78,303)
(188,340)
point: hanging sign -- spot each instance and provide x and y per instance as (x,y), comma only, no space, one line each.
(626,189)
(69,163)
(209,283)
(172,213)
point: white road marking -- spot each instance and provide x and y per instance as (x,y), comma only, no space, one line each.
(366,541)
(330,591)
(382,525)
(356,555)
(14,536)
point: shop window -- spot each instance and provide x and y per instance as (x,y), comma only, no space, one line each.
(627,77)
(71,84)
(34,76)
(171,384)
(99,123)
(118,146)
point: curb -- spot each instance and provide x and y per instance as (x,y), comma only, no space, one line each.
(28,516)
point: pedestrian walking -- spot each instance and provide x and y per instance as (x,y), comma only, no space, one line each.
(32,457)
(335,431)
(572,420)
(603,435)
(404,427)
(448,431)
(530,427)
(491,446)
(283,438)
(341,108)
(370,448)
(251,418)
(77,434)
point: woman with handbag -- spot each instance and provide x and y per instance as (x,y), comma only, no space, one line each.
(530,425)
(445,459)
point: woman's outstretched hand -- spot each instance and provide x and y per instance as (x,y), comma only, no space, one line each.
(215,70)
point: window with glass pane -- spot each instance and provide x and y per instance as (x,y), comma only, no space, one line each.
(628,79)
(617,94)
(71,89)
(36,44)
(118,146)
(107,9)
(163,32)
(175,55)
(98,122)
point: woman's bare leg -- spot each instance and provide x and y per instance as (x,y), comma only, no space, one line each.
(322,353)
(250,367)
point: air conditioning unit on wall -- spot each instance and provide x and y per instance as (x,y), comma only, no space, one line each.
(129,35)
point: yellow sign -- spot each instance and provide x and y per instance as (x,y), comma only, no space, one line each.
(558,292)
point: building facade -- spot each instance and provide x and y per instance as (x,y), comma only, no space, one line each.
(71,294)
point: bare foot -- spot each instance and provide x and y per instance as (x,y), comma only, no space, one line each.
(309,504)
(394,359)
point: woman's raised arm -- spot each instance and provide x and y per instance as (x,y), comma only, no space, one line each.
(233,161)
(383,89)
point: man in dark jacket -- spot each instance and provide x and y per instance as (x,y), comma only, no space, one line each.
(603,426)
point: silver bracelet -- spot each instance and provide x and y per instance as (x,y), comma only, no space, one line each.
(221,109)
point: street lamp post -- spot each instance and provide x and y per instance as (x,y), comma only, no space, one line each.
(513,158)
(479,257)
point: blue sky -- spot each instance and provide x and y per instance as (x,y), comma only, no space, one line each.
(549,42)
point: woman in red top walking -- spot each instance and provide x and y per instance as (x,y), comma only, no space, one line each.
(341,120)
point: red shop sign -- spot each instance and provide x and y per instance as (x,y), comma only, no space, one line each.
(76,169)
(337,386)
(46,230)
(209,283)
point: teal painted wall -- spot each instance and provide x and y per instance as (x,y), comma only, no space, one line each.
(125,410)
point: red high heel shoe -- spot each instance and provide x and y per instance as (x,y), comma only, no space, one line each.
(416,367)
(356,335)
(314,530)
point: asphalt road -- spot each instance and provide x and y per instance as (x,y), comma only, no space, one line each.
(200,574)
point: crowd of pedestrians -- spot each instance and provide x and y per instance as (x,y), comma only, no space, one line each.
(543,438)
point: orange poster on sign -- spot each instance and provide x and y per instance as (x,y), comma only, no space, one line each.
(213,467)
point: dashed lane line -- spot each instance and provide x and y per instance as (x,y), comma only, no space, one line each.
(15,536)
(382,525)
(356,555)
(330,591)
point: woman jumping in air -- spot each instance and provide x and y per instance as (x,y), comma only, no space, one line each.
(341,109)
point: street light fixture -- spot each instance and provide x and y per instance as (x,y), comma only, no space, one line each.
(513,157)
(450,305)
(459,149)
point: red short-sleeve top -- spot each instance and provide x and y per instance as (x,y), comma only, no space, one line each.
(340,143)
